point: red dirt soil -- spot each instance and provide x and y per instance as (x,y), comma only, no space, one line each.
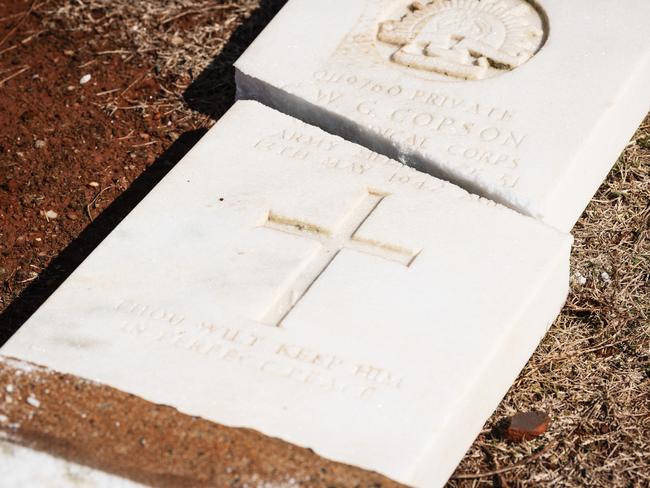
(65,155)
(90,152)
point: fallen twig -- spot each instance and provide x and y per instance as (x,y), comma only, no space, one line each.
(18,14)
(21,70)
(145,144)
(100,94)
(19,23)
(92,61)
(138,80)
(32,36)
(495,472)
(9,48)
(95,200)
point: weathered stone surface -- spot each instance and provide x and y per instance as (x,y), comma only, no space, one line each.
(284,280)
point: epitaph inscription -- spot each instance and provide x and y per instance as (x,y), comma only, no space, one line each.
(266,350)
(464,39)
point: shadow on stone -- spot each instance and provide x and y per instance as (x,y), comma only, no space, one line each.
(213,92)
(73,255)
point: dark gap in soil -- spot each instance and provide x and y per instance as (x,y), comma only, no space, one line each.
(20,309)
(206,94)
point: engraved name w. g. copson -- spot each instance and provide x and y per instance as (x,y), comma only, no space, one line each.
(465,39)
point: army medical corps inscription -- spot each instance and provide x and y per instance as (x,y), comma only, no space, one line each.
(464,39)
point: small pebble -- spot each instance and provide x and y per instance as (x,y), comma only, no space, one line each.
(94,184)
(605,277)
(51,215)
(9,388)
(84,79)
(33,401)
(39,144)
(527,425)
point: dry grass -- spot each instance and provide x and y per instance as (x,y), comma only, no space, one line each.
(591,373)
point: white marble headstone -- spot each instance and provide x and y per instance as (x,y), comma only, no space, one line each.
(527,103)
(282,279)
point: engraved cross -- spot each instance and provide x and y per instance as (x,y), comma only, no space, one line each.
(331,244)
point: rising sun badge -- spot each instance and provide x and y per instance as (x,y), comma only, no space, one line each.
(465,39)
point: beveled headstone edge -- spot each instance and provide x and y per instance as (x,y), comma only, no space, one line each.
(92,424)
